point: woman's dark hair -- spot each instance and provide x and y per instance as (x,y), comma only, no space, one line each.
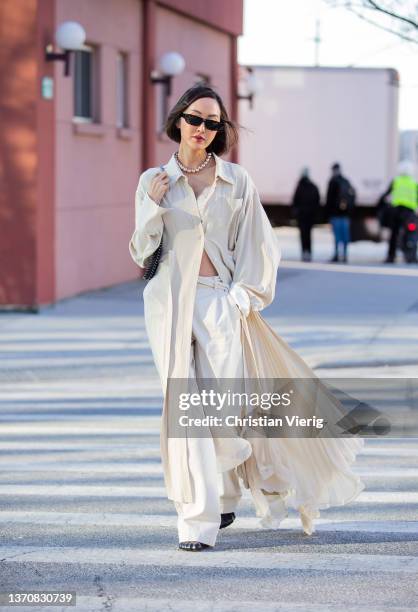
(225,138)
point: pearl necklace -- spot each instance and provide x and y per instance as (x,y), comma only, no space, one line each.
(193,170)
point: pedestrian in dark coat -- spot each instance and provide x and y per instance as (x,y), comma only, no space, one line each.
(305,207)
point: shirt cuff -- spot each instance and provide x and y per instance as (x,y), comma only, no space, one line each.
(149,229)
(241,298)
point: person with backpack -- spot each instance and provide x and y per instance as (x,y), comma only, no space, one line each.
(339,207)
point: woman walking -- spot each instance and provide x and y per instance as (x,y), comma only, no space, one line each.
(217,270)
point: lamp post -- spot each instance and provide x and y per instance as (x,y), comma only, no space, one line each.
(69,36)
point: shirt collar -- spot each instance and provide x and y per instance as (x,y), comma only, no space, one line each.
(222,169)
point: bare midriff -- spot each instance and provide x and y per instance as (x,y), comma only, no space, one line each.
(198,183)
(206,266)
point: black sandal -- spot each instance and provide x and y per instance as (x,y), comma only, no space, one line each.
(194,546)
(227,519)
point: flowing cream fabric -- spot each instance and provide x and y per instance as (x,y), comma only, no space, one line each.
(309,473)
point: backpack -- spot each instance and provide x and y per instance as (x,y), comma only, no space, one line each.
(347,196)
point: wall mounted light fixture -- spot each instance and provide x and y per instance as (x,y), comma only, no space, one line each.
(170,64)
(252,86)
(70,36)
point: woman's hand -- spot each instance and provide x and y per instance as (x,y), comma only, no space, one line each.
(158,187)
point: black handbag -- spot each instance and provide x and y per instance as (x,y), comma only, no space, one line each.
(154,259)
(151,268)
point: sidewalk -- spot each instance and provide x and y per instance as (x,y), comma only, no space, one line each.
(359,252)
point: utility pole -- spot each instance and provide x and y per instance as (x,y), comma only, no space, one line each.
(317,41)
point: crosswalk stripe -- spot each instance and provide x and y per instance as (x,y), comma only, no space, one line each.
(389,451)
(216,558)
(88,490)
(110,519)
(22,361)
(78,446)
(125,604)
(152,467)
(139,425)
(86,466)
(351,269)
(398,473)
(151,426)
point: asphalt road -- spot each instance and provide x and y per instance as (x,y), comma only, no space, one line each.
(82,502)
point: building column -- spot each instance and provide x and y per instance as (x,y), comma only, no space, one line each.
(45,245)
(27,157)
(148,89)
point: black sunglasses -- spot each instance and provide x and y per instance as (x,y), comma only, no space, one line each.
(210,124)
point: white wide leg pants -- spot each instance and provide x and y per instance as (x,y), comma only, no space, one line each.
(216,353)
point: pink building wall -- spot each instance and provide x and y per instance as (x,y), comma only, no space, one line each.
(97,170)
(206,51)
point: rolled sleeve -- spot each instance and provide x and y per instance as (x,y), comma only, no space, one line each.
(256,255)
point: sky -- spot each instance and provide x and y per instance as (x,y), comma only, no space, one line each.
(281,32)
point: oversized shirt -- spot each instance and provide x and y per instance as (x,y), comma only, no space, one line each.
(238,239)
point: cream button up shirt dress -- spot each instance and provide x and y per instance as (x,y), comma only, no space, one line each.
(243,248)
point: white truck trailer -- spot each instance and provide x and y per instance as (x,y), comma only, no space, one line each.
(409,150)
(309,116)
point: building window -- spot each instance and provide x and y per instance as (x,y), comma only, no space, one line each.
(122,119)
(85,77)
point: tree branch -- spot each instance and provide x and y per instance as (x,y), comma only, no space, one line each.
(410,22)
(381,27)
